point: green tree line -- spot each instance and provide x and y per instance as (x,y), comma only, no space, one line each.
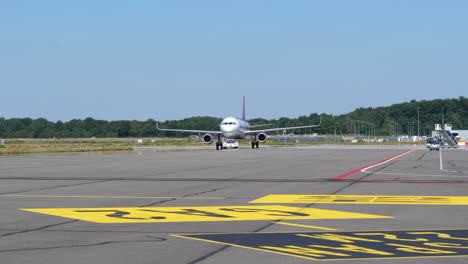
(454,111)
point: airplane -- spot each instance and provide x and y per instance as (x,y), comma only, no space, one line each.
(235,128)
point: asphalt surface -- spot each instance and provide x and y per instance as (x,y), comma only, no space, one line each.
(153,201)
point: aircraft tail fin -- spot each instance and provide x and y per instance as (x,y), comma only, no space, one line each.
(243,108)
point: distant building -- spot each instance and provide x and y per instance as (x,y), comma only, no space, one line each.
(460,133)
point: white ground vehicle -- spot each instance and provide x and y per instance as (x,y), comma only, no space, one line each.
(230,144)
(433,143)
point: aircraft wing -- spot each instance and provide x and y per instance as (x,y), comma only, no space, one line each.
(281,128)
(188,130)
(261,125)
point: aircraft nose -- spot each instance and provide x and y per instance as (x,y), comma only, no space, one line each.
(228,131)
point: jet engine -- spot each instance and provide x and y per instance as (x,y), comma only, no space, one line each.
(262,137)
(207,139)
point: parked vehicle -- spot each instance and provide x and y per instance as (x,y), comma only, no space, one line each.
(433,143)
(230,144)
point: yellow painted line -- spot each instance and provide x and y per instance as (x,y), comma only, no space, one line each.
(306,226)
(196,214)
(363,199)
(111,197)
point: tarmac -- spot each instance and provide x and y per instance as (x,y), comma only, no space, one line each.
(300,204)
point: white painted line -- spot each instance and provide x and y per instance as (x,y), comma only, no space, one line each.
(423,175)
(440,158)
(410,174)
(387,160)
(306,226)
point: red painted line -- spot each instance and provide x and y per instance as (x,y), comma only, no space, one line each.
(348,173)
(371,165)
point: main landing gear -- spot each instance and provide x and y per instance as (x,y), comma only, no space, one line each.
(254,144)
(219,144)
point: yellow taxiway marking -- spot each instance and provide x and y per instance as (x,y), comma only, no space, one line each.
(362,199)
(195,214)
(110,197)
(306,226)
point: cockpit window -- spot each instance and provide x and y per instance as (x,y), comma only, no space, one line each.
(229,123)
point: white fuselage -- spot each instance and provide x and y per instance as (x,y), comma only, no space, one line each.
(234,128)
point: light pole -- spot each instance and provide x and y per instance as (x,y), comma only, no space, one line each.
(335,130)
(396,128)
(412,127)
(408,128)
(341,130)
(418,123)
(392,129)
(443,125)
(354,128)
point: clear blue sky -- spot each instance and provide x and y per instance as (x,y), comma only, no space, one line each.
(166,60)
